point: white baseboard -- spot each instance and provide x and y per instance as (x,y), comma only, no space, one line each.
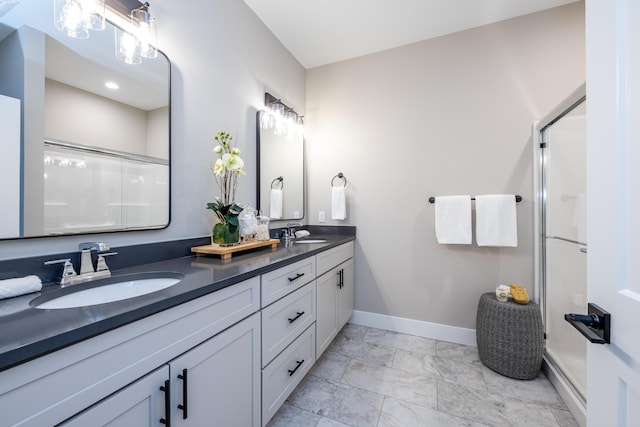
(415,327)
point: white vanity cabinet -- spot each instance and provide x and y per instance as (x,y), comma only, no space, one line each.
(228,358)
(53,388)
(334,293)
(217,380)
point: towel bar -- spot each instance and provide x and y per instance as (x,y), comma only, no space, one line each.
(433,199)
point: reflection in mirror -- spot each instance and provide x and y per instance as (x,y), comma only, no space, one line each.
(84,157)
(281,173)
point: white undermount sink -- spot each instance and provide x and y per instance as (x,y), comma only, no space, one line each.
(115,289)
(310,241)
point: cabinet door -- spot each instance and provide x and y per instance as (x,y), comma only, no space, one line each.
(345,293)
(141,403)
(327,309)
(218,382)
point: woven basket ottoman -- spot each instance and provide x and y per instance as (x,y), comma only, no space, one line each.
(510,337)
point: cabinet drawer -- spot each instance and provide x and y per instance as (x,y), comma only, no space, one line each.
(326,260)
(286,371)
(285,319)
(282,281)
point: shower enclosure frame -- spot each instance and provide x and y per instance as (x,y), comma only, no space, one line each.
(567,391)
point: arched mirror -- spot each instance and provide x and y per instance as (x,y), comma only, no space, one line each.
(79,156)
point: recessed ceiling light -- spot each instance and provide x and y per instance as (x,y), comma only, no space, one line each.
(112,85)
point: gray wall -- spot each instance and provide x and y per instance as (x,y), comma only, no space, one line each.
(223,60)
(451,115)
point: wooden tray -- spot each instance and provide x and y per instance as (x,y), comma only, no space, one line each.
(226,252)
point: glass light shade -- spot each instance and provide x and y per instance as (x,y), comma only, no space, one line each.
(127,49)
(95,11)
(266,120)
(147,32)
(71,18)
(278,110)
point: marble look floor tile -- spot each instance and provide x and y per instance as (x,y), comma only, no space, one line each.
(403,341)
(330,366)
(453,370)
(396,413)
(326,422)
(339,402)
(290,416)
(360,350)
(538,390)
(491,409)
(354,332)
(565,418)
(392,382)
(451,350)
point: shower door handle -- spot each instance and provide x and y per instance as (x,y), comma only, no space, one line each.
(595,326)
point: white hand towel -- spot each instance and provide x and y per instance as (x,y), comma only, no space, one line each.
(275,206)
(19,286)
(496,222)
(338,203)
(453,220)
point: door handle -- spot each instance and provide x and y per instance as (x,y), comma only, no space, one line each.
(595,326)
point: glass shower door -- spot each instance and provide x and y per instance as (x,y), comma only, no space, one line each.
(564,248)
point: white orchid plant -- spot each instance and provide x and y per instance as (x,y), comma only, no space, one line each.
(226,170)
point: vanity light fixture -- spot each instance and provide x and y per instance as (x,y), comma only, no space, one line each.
(281,118)
(76,17)
(136,30)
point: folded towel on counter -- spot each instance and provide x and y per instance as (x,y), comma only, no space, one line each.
(338,203)
(496,222)
(302,233)
(19,286)
(453,220)
(275,205)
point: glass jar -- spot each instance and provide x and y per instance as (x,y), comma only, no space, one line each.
(248,225)
(262,228)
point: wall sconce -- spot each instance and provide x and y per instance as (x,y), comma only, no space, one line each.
(281,118)
(136,33)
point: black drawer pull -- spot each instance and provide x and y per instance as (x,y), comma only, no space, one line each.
(299,363)
(183,377)
(299,275)
(167,403)
(298,314)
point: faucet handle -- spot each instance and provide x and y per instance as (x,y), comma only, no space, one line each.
(101,265)
(67,269)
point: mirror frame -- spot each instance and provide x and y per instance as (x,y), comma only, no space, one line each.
(258,162)
(169,162)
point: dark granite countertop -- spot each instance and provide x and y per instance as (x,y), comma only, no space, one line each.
(27,332)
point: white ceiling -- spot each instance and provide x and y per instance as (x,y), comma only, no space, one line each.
(319,32)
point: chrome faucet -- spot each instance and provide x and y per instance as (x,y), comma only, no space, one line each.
(289,231)
(87,271)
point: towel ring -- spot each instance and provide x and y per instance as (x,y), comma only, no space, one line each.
(278,179)
(341,176)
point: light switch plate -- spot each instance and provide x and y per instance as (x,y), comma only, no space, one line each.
(321,216)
